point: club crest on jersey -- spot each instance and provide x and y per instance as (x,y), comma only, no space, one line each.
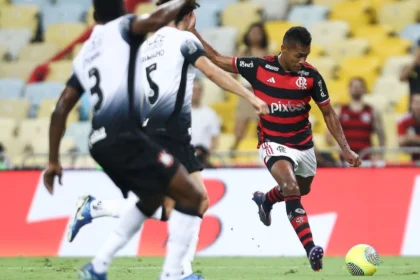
(166,159)
(366,118)
(301,83)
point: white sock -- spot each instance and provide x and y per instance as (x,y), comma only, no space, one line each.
(182,229)
(129,224)
(189,257)
(108,208)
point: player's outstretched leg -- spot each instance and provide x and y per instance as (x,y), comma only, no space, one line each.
(89,208)
(282,171)
(129,224)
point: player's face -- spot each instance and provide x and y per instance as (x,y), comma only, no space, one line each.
(296,56)
(357,89)
(415,104)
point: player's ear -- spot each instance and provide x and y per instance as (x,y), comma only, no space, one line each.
(283,48)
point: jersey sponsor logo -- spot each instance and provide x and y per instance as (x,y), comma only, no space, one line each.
(287,107)
(321,89)
(243,64)
(302,83)
(271,80)
(158,53)
(154,44)
(97,135)
(303,73)
(88,60)
(268,66)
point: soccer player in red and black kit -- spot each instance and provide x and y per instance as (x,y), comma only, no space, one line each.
(287,83)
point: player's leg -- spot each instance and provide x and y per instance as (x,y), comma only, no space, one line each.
(184,223)
(276,195)
(129,224)
(282,171)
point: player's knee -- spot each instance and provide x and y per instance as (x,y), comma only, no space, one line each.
(291,188)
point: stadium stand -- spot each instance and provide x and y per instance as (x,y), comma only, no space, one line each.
(39,37)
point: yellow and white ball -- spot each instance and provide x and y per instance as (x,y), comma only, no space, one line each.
(362,260)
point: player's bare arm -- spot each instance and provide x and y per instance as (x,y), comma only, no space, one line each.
(333,123)
(224,62)
(163,15)
(68,99)
(225,81)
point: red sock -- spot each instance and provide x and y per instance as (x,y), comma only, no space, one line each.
(274,196)
(299,220)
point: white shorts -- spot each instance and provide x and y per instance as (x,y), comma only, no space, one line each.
(304,161)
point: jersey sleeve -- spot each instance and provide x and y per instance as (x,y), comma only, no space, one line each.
(192,49)
(320,91)
(125,30)
(74,82)
(247,67)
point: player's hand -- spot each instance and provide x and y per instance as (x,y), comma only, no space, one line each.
(352,158)
(54,169)
(260,107)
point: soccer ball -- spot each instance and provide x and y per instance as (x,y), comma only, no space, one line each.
(362,260)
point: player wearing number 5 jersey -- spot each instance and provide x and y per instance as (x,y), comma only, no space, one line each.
(167,60)
(287,83)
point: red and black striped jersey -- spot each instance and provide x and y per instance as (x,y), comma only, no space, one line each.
(358,126)
(288,95)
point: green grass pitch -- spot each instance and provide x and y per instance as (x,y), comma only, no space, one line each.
(211,268)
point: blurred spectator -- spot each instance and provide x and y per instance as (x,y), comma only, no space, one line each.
(409,126)
(325,159)
(4,161)
(255,44)
(359,120)
(205,125)
(132,4)
(412,73)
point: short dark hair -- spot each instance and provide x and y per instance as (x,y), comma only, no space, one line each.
(184,11)
(264,41)
(108,10)
(297,35)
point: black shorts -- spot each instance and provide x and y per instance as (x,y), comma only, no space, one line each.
(183,151)
(136,164)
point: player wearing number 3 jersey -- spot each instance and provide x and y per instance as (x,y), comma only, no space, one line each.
(165,79)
